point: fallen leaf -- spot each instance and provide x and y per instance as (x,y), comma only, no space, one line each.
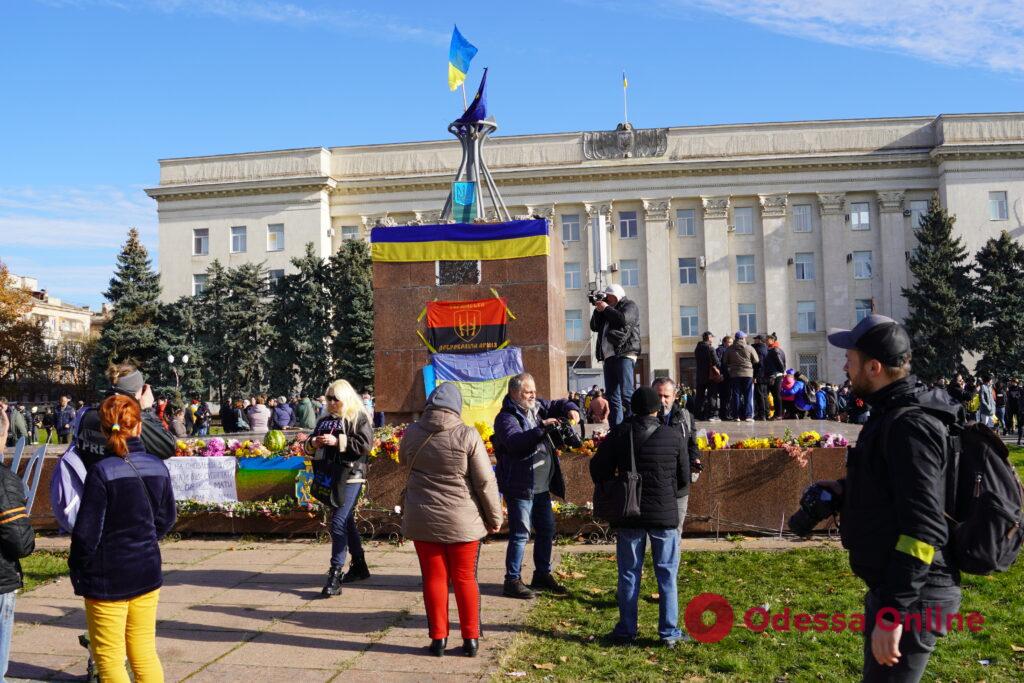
(546,666)
(595,591)
(655,596)
(563,659)
(1017,648)
(516,674)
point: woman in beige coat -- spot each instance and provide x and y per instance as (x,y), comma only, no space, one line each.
(451,503)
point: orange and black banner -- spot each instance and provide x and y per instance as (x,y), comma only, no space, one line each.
(467,326)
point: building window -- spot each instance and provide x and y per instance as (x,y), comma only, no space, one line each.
(275,276)
(804,265)
(862,309)
(200,241)
(862,265)
(630,273)
(349,232)
(688,321)
(802,218)
(574,325)
(745,268)
(918,208)
(860,216)
(571,227)
(573,277)
(686,223)
(809,365)
(748,318)
(997,208)
(687,271)
(275,237)
(238,239)
(806,318)
(627,225)
(743,220)
(198,283)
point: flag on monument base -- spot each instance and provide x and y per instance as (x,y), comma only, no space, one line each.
(467,326)
(460,241)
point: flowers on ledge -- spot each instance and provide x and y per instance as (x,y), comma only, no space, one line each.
(716,441)
(386,441)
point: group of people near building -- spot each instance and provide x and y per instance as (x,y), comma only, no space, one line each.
(35,423)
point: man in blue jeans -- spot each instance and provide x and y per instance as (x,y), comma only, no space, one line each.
(17,540)
(528,473)
(662,460)
(616,320)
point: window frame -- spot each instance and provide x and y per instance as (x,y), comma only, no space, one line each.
(927,204)
(752,269)
(744,319)
(805,365)
(1002,205)
(200,280)
(801,267)
(626,223)
(577,223)
(623,270)
(570,337)
(692,321)
(853,211)
(279,233)
(578,273)
(870,265)
(747,211)
(801,214)
(687,269)
(245,239)
(807,320)
(205,240)
(857,309)
(353,235)
(690,220)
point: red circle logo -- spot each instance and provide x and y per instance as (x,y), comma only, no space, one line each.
(719,628)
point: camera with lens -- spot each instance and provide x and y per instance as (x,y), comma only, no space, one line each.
(816,503)
(595,295)
(563,435)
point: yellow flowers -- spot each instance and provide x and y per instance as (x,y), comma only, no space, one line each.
(755,443)
(809,438)
(486,431)
(714,441)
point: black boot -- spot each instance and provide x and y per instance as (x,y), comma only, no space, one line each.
(546,582)
(357,571)
(515,588)
(470,647)
(333,585)
(437,646)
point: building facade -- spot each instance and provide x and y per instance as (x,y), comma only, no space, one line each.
(790,228)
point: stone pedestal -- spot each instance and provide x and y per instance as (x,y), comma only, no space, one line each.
(534,288)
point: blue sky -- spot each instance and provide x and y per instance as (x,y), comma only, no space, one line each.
(93,92)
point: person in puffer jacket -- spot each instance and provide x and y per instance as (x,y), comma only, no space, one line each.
(127,507)
(451,503)
(790,390)
(662,462)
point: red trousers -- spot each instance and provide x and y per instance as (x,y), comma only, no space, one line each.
(441,563)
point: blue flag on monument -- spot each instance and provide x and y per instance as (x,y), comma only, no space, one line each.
(477,110)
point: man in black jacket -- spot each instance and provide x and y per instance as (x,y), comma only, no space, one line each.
(760,379)
(774,368)
(662,463)
(706,390)
(893,500)
(677,417)
(17,540)
(616,320)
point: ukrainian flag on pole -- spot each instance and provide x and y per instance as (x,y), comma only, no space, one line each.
(459,55)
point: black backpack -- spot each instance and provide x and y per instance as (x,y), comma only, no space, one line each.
(831,405)
(984,499)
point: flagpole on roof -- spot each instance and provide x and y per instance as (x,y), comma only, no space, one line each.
(625,103)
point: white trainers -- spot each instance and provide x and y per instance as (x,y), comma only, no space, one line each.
(749,419)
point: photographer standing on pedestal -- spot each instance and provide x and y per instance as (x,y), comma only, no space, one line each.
(893,500)
(616,320)
(528,473)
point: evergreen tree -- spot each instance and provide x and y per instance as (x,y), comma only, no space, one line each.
(940,318)
(999,306)
(248,319)
(178,325)
(352,291)
(300,358)
(134,293)
(214,333)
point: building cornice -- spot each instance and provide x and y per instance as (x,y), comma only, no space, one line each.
(250,187)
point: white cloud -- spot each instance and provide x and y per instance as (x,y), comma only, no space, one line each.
(985,33)
(324,15)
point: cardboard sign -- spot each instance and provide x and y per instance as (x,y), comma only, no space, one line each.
(207,480)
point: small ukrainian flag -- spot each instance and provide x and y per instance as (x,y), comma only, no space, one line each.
(459,55)
(625,83)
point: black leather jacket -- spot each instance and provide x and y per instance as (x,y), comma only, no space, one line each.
(621,325)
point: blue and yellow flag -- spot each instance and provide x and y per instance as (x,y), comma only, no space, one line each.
(460,241)
(459,55)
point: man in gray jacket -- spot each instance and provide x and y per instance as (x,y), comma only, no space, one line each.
(987,398)
(742,360)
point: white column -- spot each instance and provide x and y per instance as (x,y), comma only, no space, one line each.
(893,253)
(660,316)
(838,307)
(717,288)
(776,267)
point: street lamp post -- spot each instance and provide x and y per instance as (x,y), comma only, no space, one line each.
(174,369)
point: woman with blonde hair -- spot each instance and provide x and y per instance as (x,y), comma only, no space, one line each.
(127,506)
(340,447)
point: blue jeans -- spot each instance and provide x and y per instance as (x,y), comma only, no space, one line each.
(521,512)
(6,627)
(343,528)
(742,397)
(618,384)
(630,549)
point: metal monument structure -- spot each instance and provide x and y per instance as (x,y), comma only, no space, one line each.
(465,200)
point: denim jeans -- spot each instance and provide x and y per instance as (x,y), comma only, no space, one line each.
(618,384)
(742,397)
(521,512)
(343,528)
(916,645)
(630,549)
(6,627)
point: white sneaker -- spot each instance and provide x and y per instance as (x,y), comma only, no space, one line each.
(749,419)
(714,419)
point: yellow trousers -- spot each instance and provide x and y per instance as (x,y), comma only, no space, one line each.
(125,628)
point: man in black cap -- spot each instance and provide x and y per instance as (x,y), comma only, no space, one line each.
(893,500)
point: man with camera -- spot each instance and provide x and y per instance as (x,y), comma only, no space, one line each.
(616,320)
(892,502)
(528,474)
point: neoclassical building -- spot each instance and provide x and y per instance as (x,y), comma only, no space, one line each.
(790,228)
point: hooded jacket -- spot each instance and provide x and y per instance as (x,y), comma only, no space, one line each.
(17,537)
(283,416)
(515,445)
(451,495)
(305,415)
(91,445)
(894,497)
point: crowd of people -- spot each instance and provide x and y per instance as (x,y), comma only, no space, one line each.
(35,423)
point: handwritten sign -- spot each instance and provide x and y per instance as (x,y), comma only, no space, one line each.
(207,480)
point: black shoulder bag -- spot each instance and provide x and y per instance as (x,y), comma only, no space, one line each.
(618,500)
